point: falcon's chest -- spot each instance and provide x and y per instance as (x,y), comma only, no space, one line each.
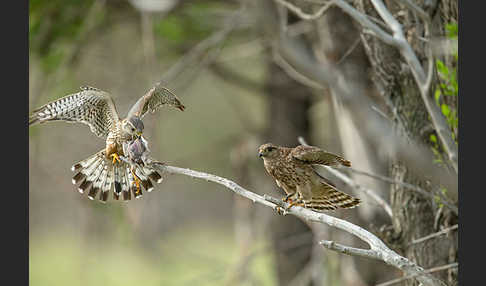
(288,171)
(116,138)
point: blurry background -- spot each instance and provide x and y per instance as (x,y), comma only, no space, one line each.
(217,58)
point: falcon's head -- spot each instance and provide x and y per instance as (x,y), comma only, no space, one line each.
(133,126)
(268,150)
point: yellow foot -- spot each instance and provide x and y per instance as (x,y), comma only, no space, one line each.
(295,203)
(136,181)
(280,211)
(115,157)
(287,198)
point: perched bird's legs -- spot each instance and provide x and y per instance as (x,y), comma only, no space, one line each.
(136,181)
(115,157)
(287,197)
(297,202)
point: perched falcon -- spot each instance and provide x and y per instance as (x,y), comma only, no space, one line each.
(293,171)
(105,169)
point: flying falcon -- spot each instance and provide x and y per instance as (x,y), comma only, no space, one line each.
(292,169)
(110,168)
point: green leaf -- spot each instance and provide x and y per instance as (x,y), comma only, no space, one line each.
(433,138)
(443,70)
(437,96)
(445,110)
(452,30)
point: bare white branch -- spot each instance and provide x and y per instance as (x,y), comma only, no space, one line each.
(364,20)
(368,253)
(412,6)
(383,253)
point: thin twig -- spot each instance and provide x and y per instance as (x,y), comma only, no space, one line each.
(433,235)
(415,188)
(431,270)
(349,51)
(281,62)
(368,253)
(412,6)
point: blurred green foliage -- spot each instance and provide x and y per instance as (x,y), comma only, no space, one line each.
(189,24)
(54,26)
(66,259)
(446,93)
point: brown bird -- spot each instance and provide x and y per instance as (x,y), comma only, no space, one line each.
(292,169)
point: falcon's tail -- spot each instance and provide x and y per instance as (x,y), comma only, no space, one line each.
(328,198)
(96,175)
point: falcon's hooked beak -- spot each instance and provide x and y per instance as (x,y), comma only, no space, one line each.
(139,134)
(260,154)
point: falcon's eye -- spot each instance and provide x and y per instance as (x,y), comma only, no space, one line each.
(270,149)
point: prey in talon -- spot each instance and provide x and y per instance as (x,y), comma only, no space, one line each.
(137,152)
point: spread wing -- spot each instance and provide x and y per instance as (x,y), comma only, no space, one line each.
(90,106)
(156,97)
(314,155)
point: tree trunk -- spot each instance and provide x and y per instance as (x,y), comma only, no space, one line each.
(414,215)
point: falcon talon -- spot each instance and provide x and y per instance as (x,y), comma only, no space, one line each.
(136,182)
(116,158)
(288,198)
(281,211)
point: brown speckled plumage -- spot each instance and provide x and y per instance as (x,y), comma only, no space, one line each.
(293,171)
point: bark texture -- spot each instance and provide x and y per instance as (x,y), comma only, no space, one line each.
(414,215)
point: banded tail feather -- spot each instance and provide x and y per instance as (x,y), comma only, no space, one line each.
(117,182)
(106,182)
(97,177)
(328,198)
(121,183)
(125,187)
